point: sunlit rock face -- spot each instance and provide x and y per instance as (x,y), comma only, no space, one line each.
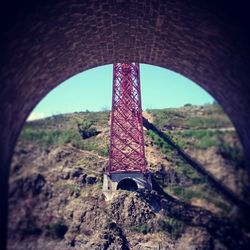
(45,42)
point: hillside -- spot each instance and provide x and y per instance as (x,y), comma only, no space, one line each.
(56,200)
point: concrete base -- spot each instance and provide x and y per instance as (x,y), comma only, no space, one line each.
(112,180)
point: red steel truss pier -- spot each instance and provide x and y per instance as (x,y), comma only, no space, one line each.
(127,163)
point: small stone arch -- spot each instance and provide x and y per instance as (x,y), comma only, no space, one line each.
(127,184)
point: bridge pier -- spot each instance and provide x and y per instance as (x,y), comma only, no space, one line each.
(114,181)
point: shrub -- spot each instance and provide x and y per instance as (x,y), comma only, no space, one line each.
(56,229)
(144,229)
(72,189)
(176,227)
(103,151)
(231,152)
(85,130)
(27,226)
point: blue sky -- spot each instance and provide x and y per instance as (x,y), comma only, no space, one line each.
(92,90)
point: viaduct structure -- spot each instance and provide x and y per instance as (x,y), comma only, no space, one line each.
(127,162)
(43,43)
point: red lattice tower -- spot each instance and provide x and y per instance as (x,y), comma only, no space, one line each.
(126,139)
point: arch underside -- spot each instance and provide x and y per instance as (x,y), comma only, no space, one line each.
(44,43)
(127,184)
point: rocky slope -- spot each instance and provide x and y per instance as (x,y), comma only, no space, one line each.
(56,201)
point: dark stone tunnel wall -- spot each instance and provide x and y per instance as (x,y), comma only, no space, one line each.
(45,42)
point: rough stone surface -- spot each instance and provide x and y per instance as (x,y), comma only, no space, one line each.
(45,42)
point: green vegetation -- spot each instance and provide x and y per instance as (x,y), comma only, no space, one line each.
(63,121)
(80,135)
(48,138)
(204,139)
(200,188)
(231,152)
(206,122)
(174,157)
(100,118)
(176,227)
(165,224)
(85,130)
(73,189)
(189,193)
(144,229)
(190,117)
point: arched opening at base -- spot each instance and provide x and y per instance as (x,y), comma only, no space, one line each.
(127,184)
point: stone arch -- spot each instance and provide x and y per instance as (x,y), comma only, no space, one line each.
(45,42)
(127,184)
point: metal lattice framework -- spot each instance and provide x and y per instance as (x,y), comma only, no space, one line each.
(126,140)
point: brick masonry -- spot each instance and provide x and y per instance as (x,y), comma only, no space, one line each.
(42,43)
